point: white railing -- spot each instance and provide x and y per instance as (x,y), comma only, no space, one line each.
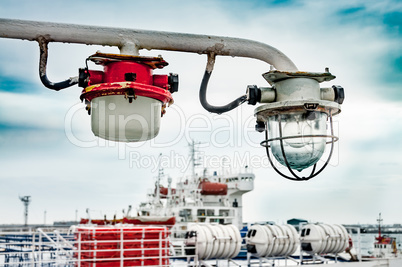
(145,246)
(122,245)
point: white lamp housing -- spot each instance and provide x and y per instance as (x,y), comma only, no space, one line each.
(295,118)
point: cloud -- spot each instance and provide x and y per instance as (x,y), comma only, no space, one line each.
(351,11)
(393,21)
(17,85)
(34,110)
(384,20)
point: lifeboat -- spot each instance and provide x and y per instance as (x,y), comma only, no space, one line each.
(163,191)
(213,241)
(324,238)
(139,220)
(210,188)
(272,240)
(101,222)
(150,220)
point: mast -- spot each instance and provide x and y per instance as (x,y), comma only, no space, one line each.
(379,220)
(26,200)
(195,161)
(158,180)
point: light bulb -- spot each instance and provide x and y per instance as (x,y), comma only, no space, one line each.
(297,127)
(302,150)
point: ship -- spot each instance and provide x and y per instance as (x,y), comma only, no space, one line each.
(204,198)
(385,246)
(196,222)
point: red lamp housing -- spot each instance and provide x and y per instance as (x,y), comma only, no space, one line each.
(126,100)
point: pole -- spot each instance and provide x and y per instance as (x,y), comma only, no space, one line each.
(25,200)
(130,41)
(379,220)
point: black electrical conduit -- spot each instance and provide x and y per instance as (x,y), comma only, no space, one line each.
(203,91)
(43,42)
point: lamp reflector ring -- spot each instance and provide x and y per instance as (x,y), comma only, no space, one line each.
(120,88)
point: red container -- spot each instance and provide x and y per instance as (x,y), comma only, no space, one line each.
(136,246)
(146,262)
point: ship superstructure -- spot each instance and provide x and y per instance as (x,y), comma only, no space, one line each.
(200,198)
(385,246)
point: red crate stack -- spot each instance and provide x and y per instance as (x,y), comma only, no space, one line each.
(114,245)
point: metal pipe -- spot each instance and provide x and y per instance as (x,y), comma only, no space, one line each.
(130,41)
(42,69)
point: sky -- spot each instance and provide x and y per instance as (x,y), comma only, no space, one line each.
(47,149)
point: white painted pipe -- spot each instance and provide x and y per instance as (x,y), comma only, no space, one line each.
(130,41)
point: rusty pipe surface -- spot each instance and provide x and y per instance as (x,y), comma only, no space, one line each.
(130,41)
(42,69)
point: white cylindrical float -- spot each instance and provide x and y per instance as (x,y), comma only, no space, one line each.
(213,241)
(324,238)
(272,240)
